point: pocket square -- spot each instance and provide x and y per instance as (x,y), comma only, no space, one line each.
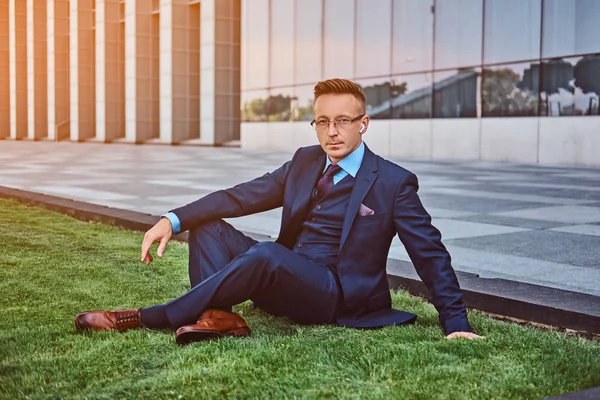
(363,210)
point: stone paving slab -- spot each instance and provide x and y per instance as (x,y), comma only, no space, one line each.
(590,230)
(559,247)
(526,223)
(513,221)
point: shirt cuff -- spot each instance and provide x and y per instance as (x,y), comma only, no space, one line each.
(175,223)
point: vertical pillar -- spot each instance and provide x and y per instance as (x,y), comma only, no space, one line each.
(110,71)
(179,71)
(37,70)
(18,68)
(82,70)
(142,21)
(4,70)
(58,70)
(193,70)
(220,71)
(207,71)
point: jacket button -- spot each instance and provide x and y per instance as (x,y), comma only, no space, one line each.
(318,206)
(299,244)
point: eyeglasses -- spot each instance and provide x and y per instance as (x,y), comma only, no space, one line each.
(322,124)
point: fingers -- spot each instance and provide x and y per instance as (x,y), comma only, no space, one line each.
(464,335)
(161,232)
(162,246)
(148,259)
(146,245)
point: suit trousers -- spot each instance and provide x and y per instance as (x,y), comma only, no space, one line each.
(227,268)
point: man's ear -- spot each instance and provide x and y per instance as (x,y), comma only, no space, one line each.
(364,125)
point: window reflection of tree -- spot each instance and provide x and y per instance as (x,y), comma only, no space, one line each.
(254,110)
(273,108)
(278,108)
(506,93)
(587,77)
(565,89)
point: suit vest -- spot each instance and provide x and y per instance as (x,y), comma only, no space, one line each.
(319,239)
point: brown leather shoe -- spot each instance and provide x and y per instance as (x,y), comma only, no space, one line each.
(120,320)
(213,324)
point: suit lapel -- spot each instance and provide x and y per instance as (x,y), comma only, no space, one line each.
(307,184)
(364,180)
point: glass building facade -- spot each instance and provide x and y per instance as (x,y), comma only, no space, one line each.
(428,61)
(424,58)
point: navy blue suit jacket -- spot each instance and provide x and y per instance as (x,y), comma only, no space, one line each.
(386,188)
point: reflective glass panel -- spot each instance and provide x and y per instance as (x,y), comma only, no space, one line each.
(512,30)
(377,93)
(373,37)
(510,90)
(255,44)
(458,33)
(309,18)
(282,43)
(279,104)
(254,105)
(570,86)
(411,95)
(412,36)
(339,39)
(571,27)
(456,93)
(303,111)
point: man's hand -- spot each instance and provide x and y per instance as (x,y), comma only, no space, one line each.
(161,233)
(464,335)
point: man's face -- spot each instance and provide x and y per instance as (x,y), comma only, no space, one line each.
(343,139)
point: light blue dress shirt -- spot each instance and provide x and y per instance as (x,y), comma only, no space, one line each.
(350,166)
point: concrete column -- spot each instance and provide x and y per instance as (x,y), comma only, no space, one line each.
(4,70)
(18,68)
(37,70)
(207,72)
(141,71)
(82,63)
(179,71)
(58,70)
(110,71)
(220,71)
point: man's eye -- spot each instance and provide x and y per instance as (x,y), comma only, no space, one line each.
(322,122)
(343,121)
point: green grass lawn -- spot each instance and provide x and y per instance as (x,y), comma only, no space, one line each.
(53,267)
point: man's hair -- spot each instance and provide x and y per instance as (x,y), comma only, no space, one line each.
(340,86)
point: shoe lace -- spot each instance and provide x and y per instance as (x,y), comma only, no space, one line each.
(126,317)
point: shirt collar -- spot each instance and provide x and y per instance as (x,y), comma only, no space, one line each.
(351,163)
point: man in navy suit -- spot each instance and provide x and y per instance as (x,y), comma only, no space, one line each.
(342,206)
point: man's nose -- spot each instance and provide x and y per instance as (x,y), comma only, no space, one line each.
(331,129)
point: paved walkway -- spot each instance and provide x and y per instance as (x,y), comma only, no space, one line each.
(526,223)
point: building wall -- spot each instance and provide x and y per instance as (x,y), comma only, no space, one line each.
(120,70)
(496,80)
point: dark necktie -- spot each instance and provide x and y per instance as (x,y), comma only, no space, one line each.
(326,181)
